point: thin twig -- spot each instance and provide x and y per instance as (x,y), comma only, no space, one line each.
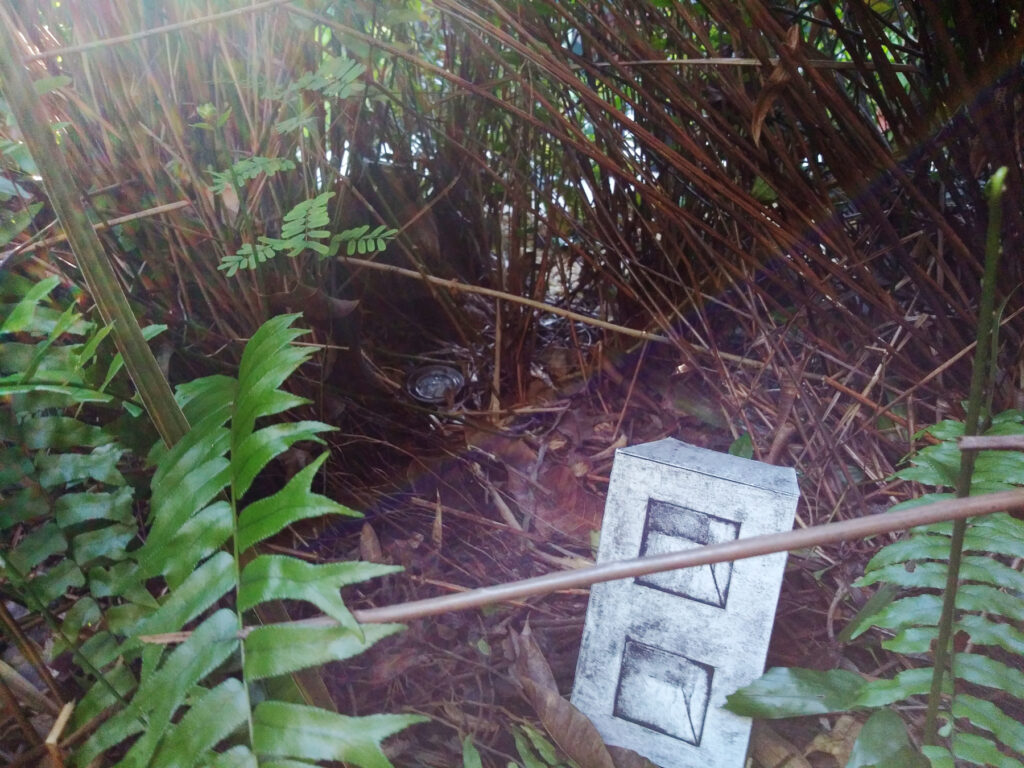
(756,546)
(112,41)
(456,285)
(17,254)
(738,62)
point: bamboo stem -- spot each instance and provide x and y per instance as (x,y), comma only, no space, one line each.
(100,279)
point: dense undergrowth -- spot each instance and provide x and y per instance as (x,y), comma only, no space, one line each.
(791,229)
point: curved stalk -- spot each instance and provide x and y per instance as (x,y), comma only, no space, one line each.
(980,384)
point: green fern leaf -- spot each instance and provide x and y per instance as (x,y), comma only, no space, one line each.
(281,650)
(236,757)
(262,519)
(983,631)
(939,757)
(162,693)
(972,748)
(986,715)
(273,577)
(214,715)
(205,586)
(306,733)
(202,535)
(985,671)
(249,458)
(795,692)
(181,715)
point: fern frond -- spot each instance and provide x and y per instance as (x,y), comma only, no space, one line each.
(203,542)
(989,603)
(66,504)
(306,733)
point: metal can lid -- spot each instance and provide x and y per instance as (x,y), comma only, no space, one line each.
(435,383)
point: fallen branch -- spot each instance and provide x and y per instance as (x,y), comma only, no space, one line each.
(991,443)
(14,256)
(815,536)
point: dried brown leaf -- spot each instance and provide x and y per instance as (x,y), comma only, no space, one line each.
(369,545)
(770,750)
(569,728)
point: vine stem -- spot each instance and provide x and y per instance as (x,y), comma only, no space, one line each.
(981,380)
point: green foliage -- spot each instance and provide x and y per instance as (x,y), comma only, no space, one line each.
(336,78)
(205,694)
(68,522)
(302,229)
(989,610)
(248,169)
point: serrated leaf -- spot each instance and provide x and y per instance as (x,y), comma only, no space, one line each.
(918,547)
(120,682)
(275,577)
(37,546)
(160,694)
(23,505)
(75,394)
(294,502)
(912,640)
(262,445)
(269,358)
(982,670)
(74,508)
(72,468)
(236,757)
(205,586)
(122,579)
(178,506)
(918,610)
(792,692)
(298,731)
(986,715)
(978,750)
(862,620)
(202,397)
(984,631)
(84,612)
(282,649)
(62,433)
(883,743)
(55,581)
(109,542)
(986,599)
(212,718)
(203,534)
(933,575)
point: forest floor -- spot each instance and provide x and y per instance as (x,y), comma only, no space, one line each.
(506,495)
